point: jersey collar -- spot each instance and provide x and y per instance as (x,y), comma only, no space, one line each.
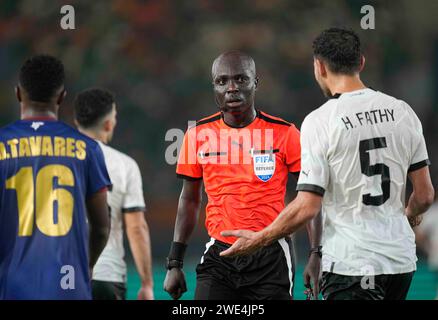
(337,95)
(248,125)
(40,118)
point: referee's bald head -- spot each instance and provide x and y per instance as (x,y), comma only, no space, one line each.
(231,58)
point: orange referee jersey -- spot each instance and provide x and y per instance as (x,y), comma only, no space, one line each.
(245,170)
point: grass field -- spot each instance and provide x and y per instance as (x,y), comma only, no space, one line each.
(423,286)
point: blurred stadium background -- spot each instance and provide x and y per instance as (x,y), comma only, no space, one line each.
(156,56)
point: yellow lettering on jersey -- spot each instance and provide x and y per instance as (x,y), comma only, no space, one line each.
(46,194)
(47,147)
(70,147)
(35,146)
(13,146)
(35,200)
(24,148)
(22,182)
(59,147)
(43,146)
(2,151)
(81,152)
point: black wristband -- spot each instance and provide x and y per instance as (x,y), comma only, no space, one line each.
(177,251)
(317,250)
(170,264)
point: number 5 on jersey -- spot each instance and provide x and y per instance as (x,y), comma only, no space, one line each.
(379,168)
(40,198)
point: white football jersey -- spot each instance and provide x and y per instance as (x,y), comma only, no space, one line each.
(126,196)
(356,151)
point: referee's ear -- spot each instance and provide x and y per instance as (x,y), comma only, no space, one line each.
(256,82)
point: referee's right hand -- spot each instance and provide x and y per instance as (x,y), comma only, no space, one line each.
(175,283)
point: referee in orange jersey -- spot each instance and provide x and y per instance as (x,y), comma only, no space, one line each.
(243,156)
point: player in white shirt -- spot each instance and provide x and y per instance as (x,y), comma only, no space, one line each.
(95,116)
(358,150)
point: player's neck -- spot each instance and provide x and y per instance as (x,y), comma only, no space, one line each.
(344,84)
(96,135)
(38,110)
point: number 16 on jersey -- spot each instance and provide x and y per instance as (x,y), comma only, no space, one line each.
(51,207)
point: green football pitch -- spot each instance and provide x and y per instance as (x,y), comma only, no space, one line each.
(423,286)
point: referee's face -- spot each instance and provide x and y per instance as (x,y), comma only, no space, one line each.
(234,84)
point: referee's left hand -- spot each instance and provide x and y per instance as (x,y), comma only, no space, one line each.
(247,242)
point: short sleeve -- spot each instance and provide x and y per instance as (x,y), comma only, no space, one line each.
(314,174)
(133,200)
(188,166)
(97,175)
(293,150)
(419,158)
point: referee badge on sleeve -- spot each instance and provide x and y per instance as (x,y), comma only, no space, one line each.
(264,164)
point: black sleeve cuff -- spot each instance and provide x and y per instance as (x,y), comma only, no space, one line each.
(419,165)
(311,188)
(182,176)
(133,209)
(295,174)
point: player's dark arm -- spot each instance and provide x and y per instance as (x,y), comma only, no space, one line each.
(314,231)
(188,210)
(99,225)
(313,267)
(187,215)
(422,195)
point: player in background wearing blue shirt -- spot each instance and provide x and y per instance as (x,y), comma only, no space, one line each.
(53,180)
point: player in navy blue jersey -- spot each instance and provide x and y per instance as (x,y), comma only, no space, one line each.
(51,177)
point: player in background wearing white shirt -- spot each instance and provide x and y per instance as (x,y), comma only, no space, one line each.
(95,116)
(358,150)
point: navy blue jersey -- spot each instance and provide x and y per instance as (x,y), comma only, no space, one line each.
(47,170)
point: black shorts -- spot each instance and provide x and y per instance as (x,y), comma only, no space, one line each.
(267,274)
(381,287)
(106,290)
